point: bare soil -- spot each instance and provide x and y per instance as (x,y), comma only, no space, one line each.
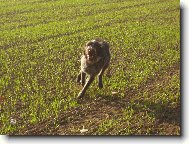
(93,111)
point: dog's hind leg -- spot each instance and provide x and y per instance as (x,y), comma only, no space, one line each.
(83,75)
(79,77)
(88,83)
(100,84)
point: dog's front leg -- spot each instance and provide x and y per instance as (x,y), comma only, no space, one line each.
(81,78)
(88,83)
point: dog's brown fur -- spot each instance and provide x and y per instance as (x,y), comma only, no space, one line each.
(94,61)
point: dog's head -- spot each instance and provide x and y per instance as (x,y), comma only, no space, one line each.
(91,51)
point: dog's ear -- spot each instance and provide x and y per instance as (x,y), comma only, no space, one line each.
(97,45)
(89,43)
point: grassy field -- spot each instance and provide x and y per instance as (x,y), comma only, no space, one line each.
(40,46)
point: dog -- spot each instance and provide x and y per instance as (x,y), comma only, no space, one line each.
(94,61)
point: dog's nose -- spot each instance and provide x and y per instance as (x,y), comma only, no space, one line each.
(90,57)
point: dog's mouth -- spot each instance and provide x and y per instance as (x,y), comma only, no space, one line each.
(90,58)
(90,54)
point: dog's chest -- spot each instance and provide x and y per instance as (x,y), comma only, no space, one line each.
(91,69)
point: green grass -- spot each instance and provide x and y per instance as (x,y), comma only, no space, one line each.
(40,48)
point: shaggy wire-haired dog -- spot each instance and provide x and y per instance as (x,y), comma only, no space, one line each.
(94,61)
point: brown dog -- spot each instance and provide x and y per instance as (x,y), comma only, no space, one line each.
(94,61)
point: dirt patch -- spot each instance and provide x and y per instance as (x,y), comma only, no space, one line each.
(92,112)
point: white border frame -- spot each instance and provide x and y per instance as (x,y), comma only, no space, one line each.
(184,139)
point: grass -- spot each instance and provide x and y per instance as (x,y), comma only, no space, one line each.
(40,48)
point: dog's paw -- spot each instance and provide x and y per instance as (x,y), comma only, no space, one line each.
(78,79)
(80,95)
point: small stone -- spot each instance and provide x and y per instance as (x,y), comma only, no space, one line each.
(83,130)
(114,93)
(13,121)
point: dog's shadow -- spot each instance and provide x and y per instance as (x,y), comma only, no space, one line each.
(104,100)
(164,113)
